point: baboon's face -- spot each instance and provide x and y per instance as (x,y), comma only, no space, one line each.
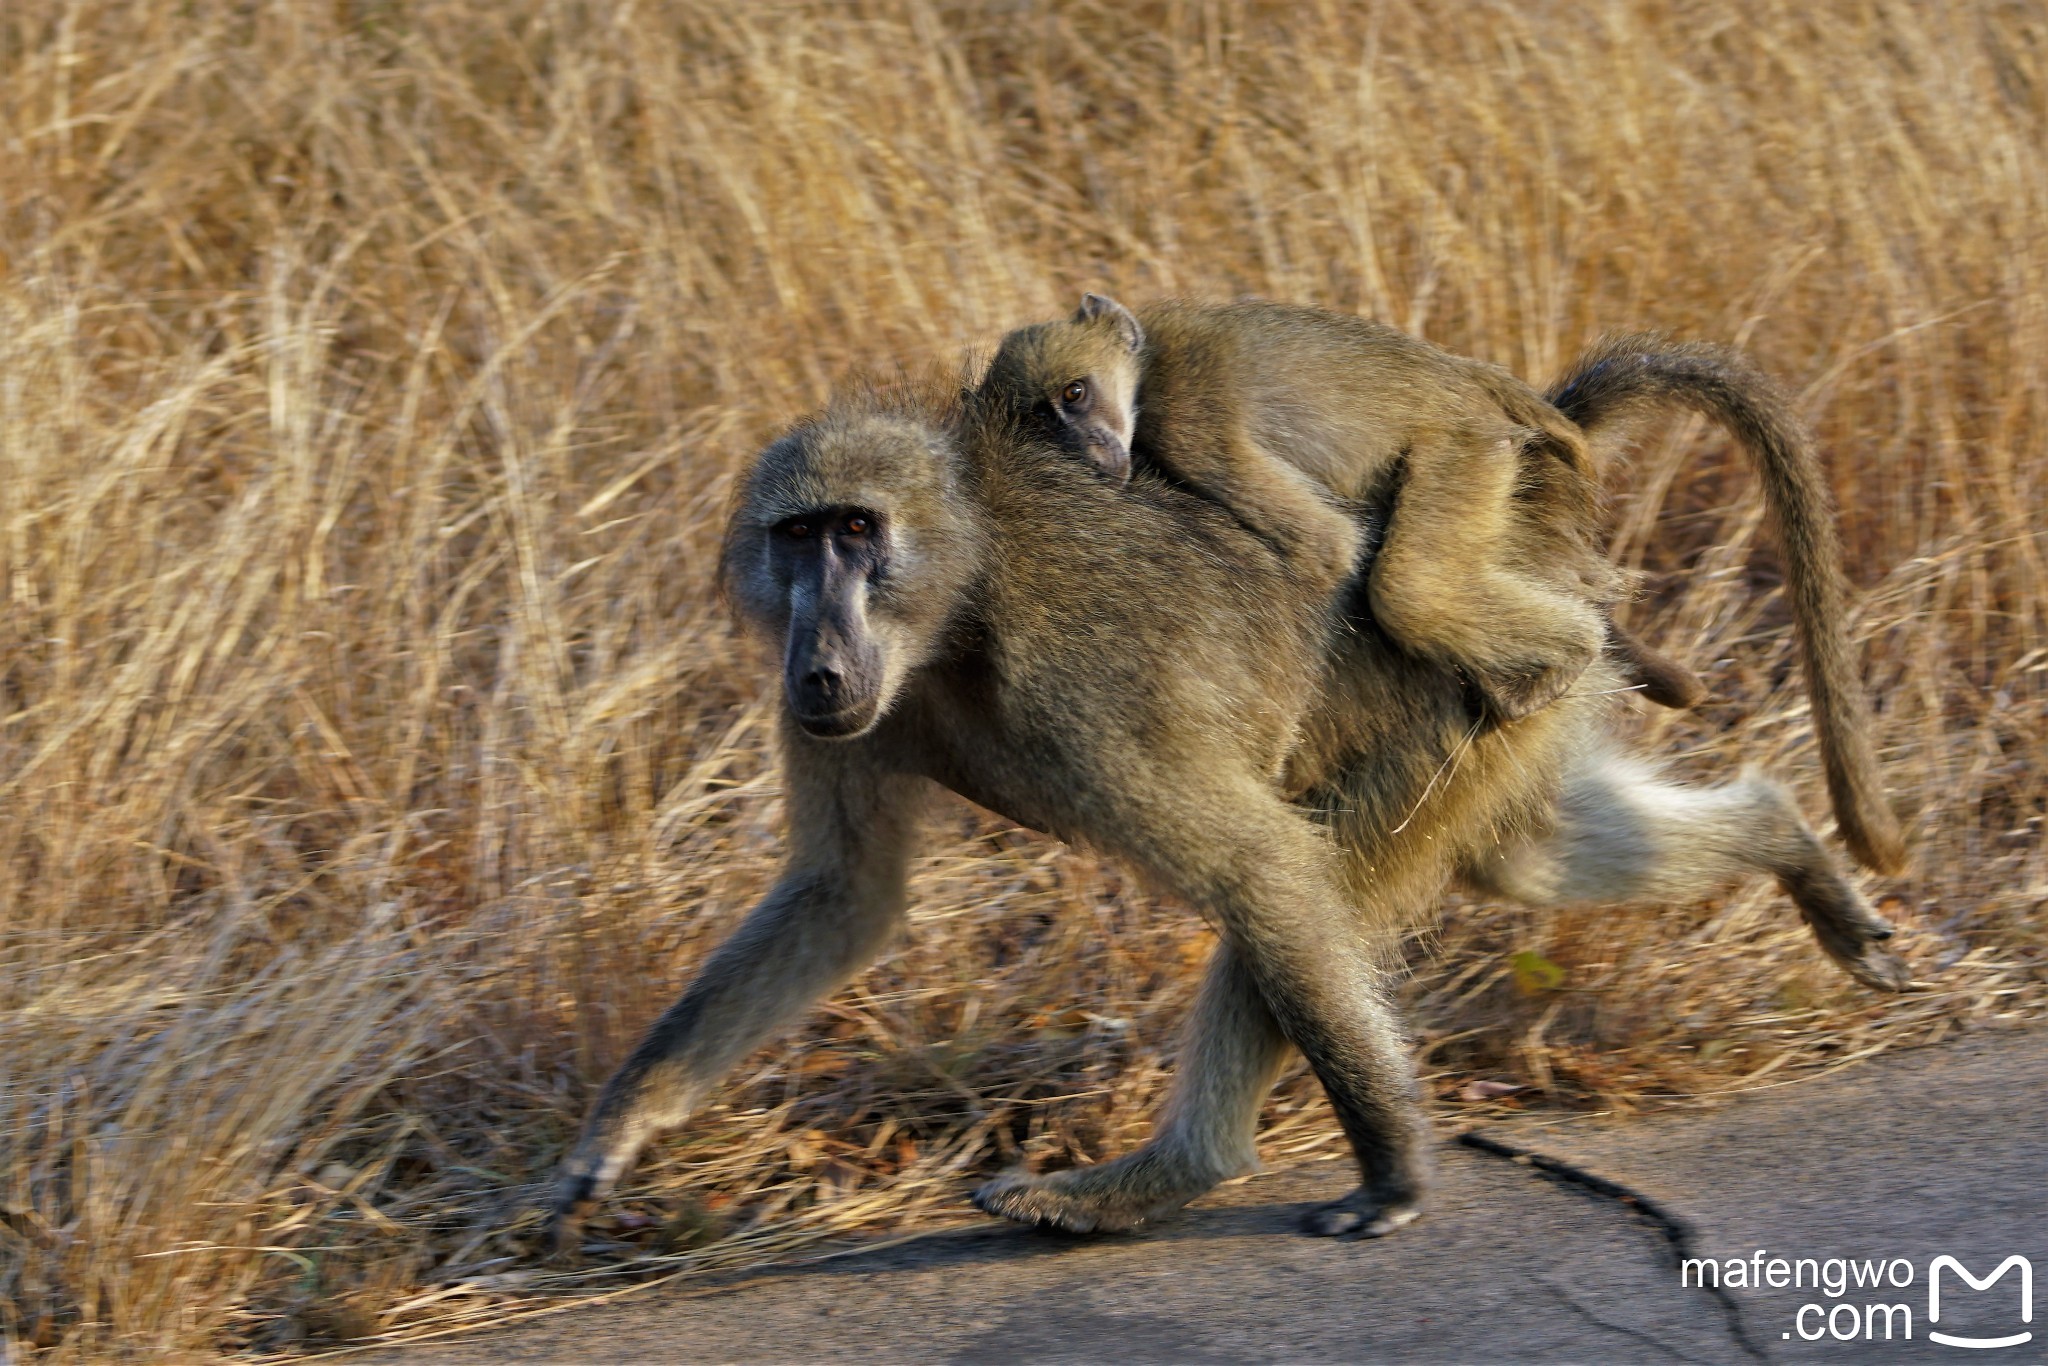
(834,663)
(1096,412)
(851,547)
(1079,376)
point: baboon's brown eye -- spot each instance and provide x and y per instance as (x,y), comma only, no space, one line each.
(1075,394)
(796,530)
(857,526)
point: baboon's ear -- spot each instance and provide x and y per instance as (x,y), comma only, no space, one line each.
(1095,306)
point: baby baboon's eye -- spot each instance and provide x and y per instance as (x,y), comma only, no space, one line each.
(796,530)
(857,525)
(1075,394)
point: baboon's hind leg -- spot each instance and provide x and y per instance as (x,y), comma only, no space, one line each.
(1229,1057)
(1622,834)
(1451,584)
(1300,965)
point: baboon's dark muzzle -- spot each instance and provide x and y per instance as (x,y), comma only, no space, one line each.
(832,678)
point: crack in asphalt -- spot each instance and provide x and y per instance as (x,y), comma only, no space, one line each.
(1573,1303)
(1678,1231)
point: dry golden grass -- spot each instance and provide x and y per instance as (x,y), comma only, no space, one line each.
(374,762)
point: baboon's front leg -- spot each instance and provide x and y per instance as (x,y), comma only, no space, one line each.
(1662,679)
(1274,499)
(839,900)
(1231,1051)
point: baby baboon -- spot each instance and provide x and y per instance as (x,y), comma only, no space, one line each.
(1271,409)
(959,603)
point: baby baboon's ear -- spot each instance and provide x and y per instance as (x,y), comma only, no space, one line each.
(1095,306)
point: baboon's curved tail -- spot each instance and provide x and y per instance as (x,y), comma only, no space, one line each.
(1622,379)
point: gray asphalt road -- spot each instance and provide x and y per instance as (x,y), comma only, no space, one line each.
(1575,1255)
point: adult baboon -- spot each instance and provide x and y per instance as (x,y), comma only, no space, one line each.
(1291,416)
(961,604)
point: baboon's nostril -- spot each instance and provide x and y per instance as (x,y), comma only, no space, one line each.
(822,682)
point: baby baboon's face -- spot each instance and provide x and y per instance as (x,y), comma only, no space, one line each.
(1096,411)
(1082,374)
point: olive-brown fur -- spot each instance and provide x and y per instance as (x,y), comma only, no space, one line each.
(1295,419)
(1134,668)
(1625,380)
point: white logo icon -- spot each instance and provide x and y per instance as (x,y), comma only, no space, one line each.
(2026,1299)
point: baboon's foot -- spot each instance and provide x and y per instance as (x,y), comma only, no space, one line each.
(1109,1198)
(1511,692)
(1361,1214)
(1510,689)
(1850,931)
(1663,680)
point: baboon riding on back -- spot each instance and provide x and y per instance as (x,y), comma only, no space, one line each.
(1141,667)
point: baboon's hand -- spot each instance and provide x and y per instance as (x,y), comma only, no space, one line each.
(565,1220)
(1361,1214)
(579,1187)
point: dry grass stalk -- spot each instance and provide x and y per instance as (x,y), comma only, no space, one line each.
(375,762)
